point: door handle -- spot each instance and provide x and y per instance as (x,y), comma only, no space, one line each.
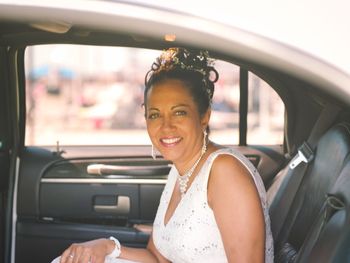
(133,170)
(122,207)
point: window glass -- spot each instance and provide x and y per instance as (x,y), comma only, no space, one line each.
(91,95)
(265,113)
(85,95)
(224,118)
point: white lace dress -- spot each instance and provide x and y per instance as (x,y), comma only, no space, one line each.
(191,234)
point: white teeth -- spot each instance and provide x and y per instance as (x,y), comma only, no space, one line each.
(170,141)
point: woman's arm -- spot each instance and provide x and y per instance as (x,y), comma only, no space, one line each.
(96,251)
(235,201)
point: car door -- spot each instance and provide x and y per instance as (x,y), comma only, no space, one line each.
(98,182)
(6,146)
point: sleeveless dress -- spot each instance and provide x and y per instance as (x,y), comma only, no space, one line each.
(191,234)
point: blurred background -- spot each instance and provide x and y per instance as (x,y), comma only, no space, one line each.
(90,95)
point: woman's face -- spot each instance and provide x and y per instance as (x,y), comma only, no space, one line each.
(173,121)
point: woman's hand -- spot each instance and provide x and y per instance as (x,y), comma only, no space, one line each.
(93,251)
(147,229)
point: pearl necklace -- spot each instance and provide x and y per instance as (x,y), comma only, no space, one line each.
(183,180)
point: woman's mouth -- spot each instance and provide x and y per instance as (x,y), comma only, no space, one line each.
(169,142)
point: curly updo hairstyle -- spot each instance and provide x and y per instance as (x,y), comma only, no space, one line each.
(194,68)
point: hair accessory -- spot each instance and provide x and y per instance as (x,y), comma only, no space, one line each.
(183,180)
(188,60)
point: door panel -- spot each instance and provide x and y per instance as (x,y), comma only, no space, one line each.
(41,241)
(69,190)
(61,201)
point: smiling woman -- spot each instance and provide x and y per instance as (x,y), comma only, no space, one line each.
(178,98)
(192,224)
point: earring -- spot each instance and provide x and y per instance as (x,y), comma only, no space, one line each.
(153,153)
(204,147)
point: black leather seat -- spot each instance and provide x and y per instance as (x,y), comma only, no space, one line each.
(329,239)
(306,208)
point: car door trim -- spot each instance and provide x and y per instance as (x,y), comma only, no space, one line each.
(14,211)
(102,181)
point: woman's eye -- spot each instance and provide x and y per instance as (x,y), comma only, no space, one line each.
(180,113)
(153,116)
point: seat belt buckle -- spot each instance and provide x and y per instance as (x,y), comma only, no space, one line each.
(305,154)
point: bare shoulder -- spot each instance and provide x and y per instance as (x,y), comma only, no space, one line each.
(228,167)
(228,176)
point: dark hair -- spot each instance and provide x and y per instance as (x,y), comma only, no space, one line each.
(193,68)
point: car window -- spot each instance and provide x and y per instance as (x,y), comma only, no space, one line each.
(265,113)
(91,95)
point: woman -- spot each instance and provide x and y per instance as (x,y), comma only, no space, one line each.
(213,207)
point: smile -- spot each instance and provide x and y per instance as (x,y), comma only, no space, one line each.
(170,141)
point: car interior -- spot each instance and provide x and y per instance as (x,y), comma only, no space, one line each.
(55,195)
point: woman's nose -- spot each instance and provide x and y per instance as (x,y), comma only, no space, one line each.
(167,123)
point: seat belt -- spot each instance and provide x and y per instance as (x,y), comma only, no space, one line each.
(298,165)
